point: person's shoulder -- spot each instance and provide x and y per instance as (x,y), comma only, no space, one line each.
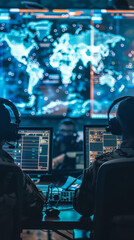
(105,157)
(115,154)
(5,157)
(94,166)
(79,144)
(56,142)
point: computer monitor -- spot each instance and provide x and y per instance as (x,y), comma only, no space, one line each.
(66,63)
(34,152)
(44,61)
(97,141)
(112,54)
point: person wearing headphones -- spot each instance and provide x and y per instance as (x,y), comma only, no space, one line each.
(65,142)
(122,124)
(33,200)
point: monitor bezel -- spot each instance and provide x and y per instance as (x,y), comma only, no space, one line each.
(86,164)
(37,172)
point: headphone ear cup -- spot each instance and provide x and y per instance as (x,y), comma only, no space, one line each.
(114,126)
(11,134)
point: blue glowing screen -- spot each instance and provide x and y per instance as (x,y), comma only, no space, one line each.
(66,62)
(43,67)
(112,74)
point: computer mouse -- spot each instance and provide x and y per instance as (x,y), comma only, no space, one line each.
(52,212)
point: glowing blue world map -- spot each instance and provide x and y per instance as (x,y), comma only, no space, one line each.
(72,48)
(56,66)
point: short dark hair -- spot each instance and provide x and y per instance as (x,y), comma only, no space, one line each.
(67,121)
(125,116)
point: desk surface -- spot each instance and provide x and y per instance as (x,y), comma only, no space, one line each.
(67,220)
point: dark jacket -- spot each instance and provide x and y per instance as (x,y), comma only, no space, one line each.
(33,200)
(84,198)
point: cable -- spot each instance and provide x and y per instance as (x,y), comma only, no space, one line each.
(47,196)
(58,195)
(49,193)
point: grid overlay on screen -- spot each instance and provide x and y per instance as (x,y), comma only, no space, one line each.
(34,150)
(97,141)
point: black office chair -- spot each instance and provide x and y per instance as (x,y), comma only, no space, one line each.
(114,206)
(11,196)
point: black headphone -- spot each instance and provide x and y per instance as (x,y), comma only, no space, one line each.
(113,124)
(11,131)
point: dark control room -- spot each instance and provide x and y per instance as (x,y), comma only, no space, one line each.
(66,119)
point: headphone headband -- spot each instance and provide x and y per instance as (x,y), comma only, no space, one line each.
(10,133)
(114,103)
(13,107)
(113,124)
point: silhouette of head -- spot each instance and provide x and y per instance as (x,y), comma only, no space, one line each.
(8,130)
(67,131)
(5,120)
(125,116)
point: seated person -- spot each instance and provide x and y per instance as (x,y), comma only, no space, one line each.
(65,142)
(84,198)
(33,200)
